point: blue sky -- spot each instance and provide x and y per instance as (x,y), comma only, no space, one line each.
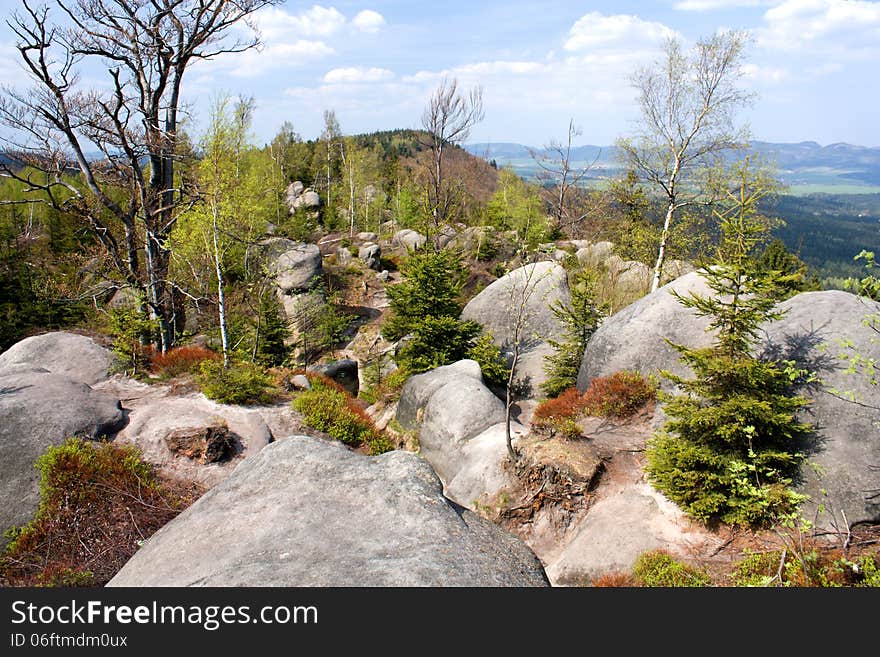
(813,63)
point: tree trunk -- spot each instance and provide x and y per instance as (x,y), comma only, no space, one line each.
(351,194)
(221,297)
(661,255)
(508,402)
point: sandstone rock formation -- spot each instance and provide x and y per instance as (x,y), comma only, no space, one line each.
(306,512)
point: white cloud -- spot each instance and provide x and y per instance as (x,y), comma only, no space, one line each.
(711,5)
(275,23)
(849,28)
(290,39)
(764,74)
(477,70)
(11,71)
(368,21)
(357,74)
(595,30)
(279,55)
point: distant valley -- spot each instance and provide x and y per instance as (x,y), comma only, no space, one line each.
(805,167)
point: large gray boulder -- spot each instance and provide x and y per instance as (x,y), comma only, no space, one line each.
(594,255)
(409,239)
(371,254)
(461,430)
(813,332)
(302,198)
(418,389)
(635,337)
(617,529)
(480,471)
(75,356)
(345,372)
(527,291)
(293,192)
(38,409)
(306,512)
(457,411)
(293,264)
(630,279)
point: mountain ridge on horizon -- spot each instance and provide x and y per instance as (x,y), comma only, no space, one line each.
(803,163)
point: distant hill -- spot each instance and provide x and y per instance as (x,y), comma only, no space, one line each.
(805,166)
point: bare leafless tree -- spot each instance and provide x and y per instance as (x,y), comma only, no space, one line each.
(129,196)
(559,178)
(687,103)
(447,120)
(520,289)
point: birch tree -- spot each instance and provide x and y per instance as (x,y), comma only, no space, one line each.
(128,197)
(232,210)
(687,103)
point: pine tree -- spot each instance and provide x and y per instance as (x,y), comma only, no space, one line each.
(729,448)
(432,282)
(775,257)
(425,307)
(580,318)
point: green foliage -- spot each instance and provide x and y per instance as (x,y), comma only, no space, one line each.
(619,395)
(869,286)
(98,501)
(437,341)
(432,282)
(41,251)
(806,567)
(756,569)
(637,224)
(133,332)
(240,383)
(729,449)
(823,228)
(329,409)
(321,327)
(516,205)
(376,388)
(869,567)
(579,318)
(660,569)
(409,210)
(775,260)
(487,247)
(488,355)
(425,307)
(270,332)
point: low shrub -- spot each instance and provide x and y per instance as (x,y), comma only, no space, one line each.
(756,569)
(181,360)
(811,567)
(386,389)
(613,580)
(240,383)
(619,395)
(437,341)
(328,408)
(488,355)
(869,570)
(133,333)
(98,503)
(560,414)
(659,569)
